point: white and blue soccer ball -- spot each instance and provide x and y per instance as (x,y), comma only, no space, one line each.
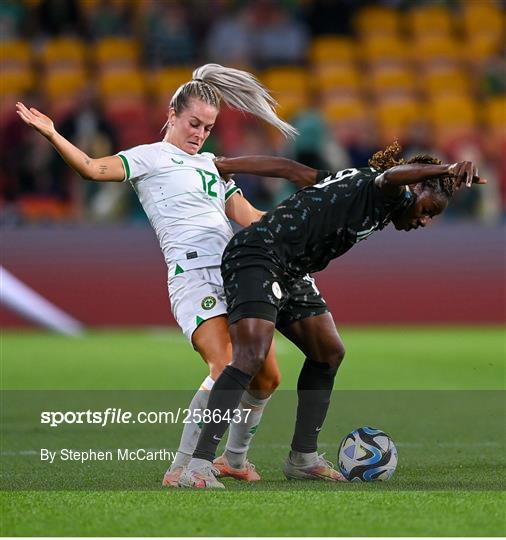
(367,454)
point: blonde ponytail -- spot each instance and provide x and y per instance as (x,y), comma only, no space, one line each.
(238,89)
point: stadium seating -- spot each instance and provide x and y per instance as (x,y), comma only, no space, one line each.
(164,82)
(452,114)
(385,50)
(391,80)
(429,64)
(445,81)
(429,21)
(122,85)
(289,87)
(332,50)
(63,53)
(16,70)
(344,110)
(116,53)
(377,21)
(495,113)
(62,89)
(336,80)
(14,55)
(438,50)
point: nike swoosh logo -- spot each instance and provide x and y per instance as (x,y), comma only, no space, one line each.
(318,429)
(216,438)
(176,161)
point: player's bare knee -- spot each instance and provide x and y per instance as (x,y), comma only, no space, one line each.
(274,381)
(216,366)
(265,384)
(335,357)
(249,359)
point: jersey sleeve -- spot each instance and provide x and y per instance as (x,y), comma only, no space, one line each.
(231,189)
(139,161)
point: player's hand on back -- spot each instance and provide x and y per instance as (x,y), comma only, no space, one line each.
(465,172)
(34,118)
(218,161)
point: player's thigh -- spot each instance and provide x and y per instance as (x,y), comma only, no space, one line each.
(198,305)
(212,341)
(318,338)
(306,321)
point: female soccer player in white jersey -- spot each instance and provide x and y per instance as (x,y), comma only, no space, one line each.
(189,206)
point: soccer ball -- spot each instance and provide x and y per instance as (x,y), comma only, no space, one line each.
(367,454)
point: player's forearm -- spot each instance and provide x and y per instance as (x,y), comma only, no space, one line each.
(278,167)
(80,162)
(402,175)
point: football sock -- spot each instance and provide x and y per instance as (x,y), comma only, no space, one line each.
(191,431)
(241,433)
(314,389)
(223,399)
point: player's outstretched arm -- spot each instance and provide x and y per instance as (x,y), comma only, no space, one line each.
(278,167)
(463,172)
(104,169)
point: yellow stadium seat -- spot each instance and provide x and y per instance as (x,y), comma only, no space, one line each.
(16,81)
(289,105)
(16,73)
(117,51)
(377,20)
(398,112)
(340,78)
(495,112)
(482,46)
(452,81)
(484,25)
(392,79)
(286,79)
(431,49)
(332,49)
(14,54)
(122,84)
(343,110)
(430,20)
(59,84)
(385,50)
(63,52)
(165,82)
(290,88)
(482,17)
(452,111)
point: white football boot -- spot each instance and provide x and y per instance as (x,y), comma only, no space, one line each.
(321,469)
(200,474)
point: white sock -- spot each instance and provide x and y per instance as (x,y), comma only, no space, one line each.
(241,433)
(191,431)
(303,459)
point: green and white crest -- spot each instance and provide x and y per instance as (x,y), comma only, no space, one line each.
(208,302)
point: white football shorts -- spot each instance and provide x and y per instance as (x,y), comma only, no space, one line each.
(196,296)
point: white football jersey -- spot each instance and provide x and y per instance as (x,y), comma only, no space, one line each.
(184,199)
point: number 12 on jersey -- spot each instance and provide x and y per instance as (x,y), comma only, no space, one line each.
(208,181)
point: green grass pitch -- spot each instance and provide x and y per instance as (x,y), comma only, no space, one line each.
(440,488)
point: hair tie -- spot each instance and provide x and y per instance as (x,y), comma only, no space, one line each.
(198,79)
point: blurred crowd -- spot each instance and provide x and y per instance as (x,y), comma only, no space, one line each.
(351,75)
